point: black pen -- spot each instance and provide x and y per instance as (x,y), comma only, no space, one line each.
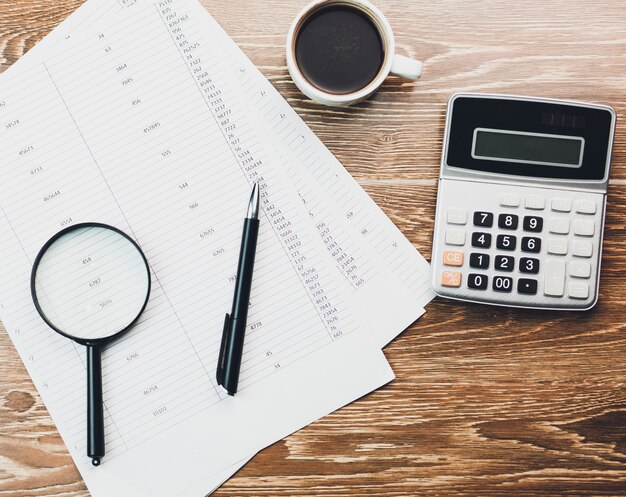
(231,350)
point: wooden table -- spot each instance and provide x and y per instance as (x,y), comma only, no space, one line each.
(487,401)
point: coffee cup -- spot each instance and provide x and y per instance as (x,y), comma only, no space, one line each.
(339,52)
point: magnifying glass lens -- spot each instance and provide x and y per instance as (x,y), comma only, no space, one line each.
(91,283)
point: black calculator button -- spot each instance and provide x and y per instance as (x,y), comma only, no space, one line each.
(484,219)
(527,286)
(529,265)
(506,242)
(480,261)
(477,281)
(507,221)
(533,223)
(480,239)
(502,284)
(531,244)
(504,263)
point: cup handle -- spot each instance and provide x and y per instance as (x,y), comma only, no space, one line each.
(405,67)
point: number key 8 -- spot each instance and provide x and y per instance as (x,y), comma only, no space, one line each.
(507,221)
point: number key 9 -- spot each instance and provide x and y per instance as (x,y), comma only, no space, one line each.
(533,223)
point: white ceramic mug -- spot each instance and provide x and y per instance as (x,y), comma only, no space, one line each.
(393,63)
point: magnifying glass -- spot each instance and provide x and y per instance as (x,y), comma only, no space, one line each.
(91,282)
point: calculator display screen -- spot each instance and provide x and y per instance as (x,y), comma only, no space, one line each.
(529,137)
(530,148)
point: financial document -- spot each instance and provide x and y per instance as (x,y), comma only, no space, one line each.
(390,278)
(383,275)
(168,157)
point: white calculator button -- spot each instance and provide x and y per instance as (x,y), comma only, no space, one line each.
(583,228)
(554,282)
(455,237)
(561,204)
(457,216)
(557,246)
(582,248)
(559,225)
(578,290)
(535,202)
(579,269)
(510,200)
(584,206)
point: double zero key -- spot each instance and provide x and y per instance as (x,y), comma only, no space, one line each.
(502,284)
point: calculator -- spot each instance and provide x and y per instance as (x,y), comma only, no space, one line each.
(521,201)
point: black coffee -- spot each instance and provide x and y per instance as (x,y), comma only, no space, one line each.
(339,49)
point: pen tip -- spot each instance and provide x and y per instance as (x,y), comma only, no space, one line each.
(253,205)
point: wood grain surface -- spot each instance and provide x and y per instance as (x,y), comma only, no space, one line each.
(487,401)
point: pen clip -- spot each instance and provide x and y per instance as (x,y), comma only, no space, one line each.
(219,375)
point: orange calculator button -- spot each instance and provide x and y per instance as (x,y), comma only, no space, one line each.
(452,258)
(450,278)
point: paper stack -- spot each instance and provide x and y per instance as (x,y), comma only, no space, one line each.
(145,115)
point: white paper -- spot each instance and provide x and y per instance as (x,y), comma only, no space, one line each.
(320,177)
(97,134)
(389,277)
(389,306)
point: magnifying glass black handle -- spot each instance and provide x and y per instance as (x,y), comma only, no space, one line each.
(95,412)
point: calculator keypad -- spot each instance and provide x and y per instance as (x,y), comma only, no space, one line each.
(583,228)
(506,242)
(535,202)
(504,263)
(554,284)
(477,281)
(578,290)
(483,219)
(582,248)
(455,237)
(561,204)
(585,206)
(480,261)
(453,258)
(531,244)
(527,286)
(457,216)
(451,278)
(529,265)
(510,200)
(508,221)
(524,246)
(559,225)
(579,269)
(481,239)
(533,223)
(502,284)
(557,246)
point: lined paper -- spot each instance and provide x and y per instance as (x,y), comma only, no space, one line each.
(94,133)
(372,270)
(317,166)
(389,277)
